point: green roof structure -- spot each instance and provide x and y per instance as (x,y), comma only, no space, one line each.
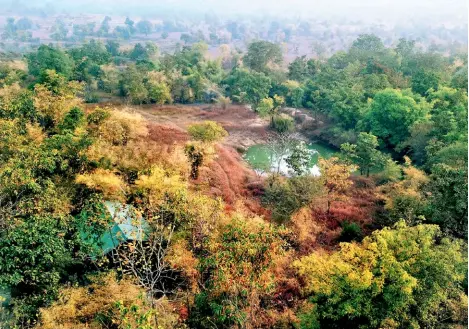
(125,225)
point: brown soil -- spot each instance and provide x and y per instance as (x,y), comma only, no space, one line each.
(245,128)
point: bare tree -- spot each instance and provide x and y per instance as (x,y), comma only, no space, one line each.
(279,145)
(144,259)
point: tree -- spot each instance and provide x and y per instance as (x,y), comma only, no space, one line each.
(24,23)
(146,259)
(404,197)
(10,29)
(207,131)
(238,271)
(104,28)
(423,81)
(104,302)
(49,58)
(459,79)
(364,154)
(283,123)
(33,257)
(59,31)
(336,178)
(130,25)
(448,189)
(285,196)
(93,51)
(449,114)
(186,38)
(112,47)
(139,52)
(144,27)
(299,158)
(367,43)
(405,47)
(158,88)
(270,107)
(400,277)
(245,86)
(266,107)
(54,97)
(200,151)
(294,93)
(132,85)
(262,56)
(301,69)
(391,115)
(369,49)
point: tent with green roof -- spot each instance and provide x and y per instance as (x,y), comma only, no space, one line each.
(125,224)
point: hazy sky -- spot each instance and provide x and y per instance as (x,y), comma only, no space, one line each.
(360,9)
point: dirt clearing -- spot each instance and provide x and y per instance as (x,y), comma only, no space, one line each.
(245,128)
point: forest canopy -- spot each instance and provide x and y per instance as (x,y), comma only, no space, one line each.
(112,219)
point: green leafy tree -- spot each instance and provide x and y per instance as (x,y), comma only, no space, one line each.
(132,85)
(158,89)
(144,27)
(24,23)
(10,29)
(262,56)
(286,196)
(459,79)
(49,58)
(33,258)
(391,115)
(299,159)
(448,189)
(130,25)
(105,27)
(112,47)
(59,31)
(364,154)
(423,81)
(301,69)
(270,107)
(245,86)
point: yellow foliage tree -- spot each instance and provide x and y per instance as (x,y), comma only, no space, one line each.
(336,177)
(111,185)
(55,97)
(201,150)
(107,303)
(162,187)
(380,280)
(404,199)
(123,126)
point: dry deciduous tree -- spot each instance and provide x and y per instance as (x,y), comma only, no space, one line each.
(336,179)
(145,259)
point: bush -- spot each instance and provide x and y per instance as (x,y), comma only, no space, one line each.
(91,97)
(283,124)
(350,232)
(223,101)
(207,131)
(285,197)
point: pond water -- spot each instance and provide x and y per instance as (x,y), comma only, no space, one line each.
(261,158)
